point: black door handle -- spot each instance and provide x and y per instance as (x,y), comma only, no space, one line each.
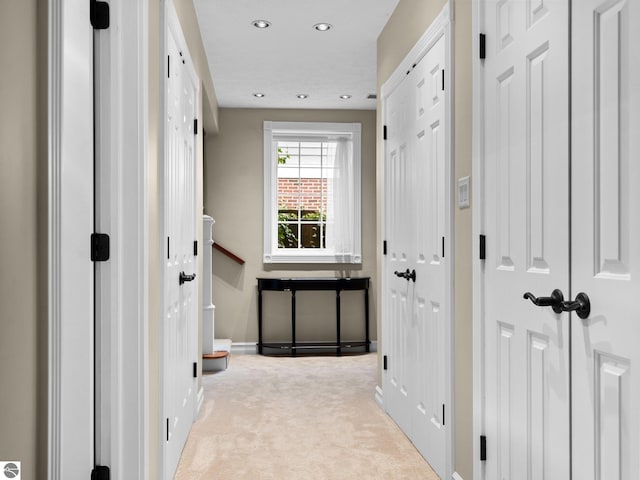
(555,301)
(186,278)
(407,275)
(581,305)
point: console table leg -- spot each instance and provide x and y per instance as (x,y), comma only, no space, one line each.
(293,322)
(339,351)
(260,321)
(366,319)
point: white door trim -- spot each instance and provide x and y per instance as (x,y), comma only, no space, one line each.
(441,26)
(125,359)
(477,230)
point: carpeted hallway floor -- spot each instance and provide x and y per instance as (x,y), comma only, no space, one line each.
(307,418)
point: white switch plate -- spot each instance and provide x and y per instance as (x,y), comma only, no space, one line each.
(463,192)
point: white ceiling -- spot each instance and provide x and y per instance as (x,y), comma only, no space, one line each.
(291,57)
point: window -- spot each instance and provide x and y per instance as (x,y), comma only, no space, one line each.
(312,192)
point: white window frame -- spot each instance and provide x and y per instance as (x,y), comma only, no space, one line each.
(273,254)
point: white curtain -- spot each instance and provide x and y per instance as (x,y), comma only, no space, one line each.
(341,202)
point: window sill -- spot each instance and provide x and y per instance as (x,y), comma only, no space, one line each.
(311,258)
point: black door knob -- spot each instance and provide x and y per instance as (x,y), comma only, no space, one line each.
(581,305)
(555,301)
(186,278)
(407,275)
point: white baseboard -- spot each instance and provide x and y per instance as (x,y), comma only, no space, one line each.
(456,476)
(379,397)
(200,400)
(244,348)
(251,348)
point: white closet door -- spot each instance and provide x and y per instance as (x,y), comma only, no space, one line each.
(606,239)
(428,184)
(398,291)
(525,166)
(181,318)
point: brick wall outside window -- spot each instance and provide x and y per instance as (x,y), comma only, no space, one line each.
(310,192)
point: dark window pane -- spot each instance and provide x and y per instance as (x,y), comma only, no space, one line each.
(311,236)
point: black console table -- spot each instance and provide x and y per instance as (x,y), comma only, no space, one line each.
(295,284)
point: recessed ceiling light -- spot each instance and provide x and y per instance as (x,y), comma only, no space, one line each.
(345,97)
(258,95)
(323,27)
(261,24)
(302,96)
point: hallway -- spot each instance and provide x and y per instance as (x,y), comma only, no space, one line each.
(297,418)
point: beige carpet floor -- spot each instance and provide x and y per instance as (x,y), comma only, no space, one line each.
(307,418)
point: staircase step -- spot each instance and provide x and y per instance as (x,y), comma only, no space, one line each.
(218,360)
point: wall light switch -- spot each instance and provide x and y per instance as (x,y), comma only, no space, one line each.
(463,193)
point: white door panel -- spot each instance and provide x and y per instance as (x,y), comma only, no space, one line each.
(526,167)
(606,238)
(415,312)
(180,327)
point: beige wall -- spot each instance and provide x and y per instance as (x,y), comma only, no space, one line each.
(233,197)
(23,321)
(407,24)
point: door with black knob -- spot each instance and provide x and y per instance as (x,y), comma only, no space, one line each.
(559,317)
(415,280)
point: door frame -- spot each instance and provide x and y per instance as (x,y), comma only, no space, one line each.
(441,26)
(477,229)
(125,358)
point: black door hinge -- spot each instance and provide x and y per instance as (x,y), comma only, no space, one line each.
(195,369)
(384,247)
(99,247)
(168,66)
(443,79)
(384,132)
(443,417)
(442,247)
(483,46)
(483,448)
(100,473)
(167,429)
(384,362)
(195,248)
(168,248)
(99,15)
(195,126)
(483,247)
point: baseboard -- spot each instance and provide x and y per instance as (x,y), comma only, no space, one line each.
(456,476)
(244,348)
(250,348)
(200,400)
(379,397)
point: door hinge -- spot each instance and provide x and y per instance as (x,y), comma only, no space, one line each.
(195,126)
(443,417)
(195,369)
(483,46)
(483,448)
(167,429)
(483,247)
(384,247)
(195,248)
(443,79)
(384,132)
(168,247)
(99,15)
(384,362)
(99,247)
(100,473)
(168,66)
(442,247)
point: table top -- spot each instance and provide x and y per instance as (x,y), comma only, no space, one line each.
(314,283)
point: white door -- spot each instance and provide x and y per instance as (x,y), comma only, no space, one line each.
(548,415)
(429,258)
(605,247)
(415,271)
(526,214)
(398,290)
(181,318)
